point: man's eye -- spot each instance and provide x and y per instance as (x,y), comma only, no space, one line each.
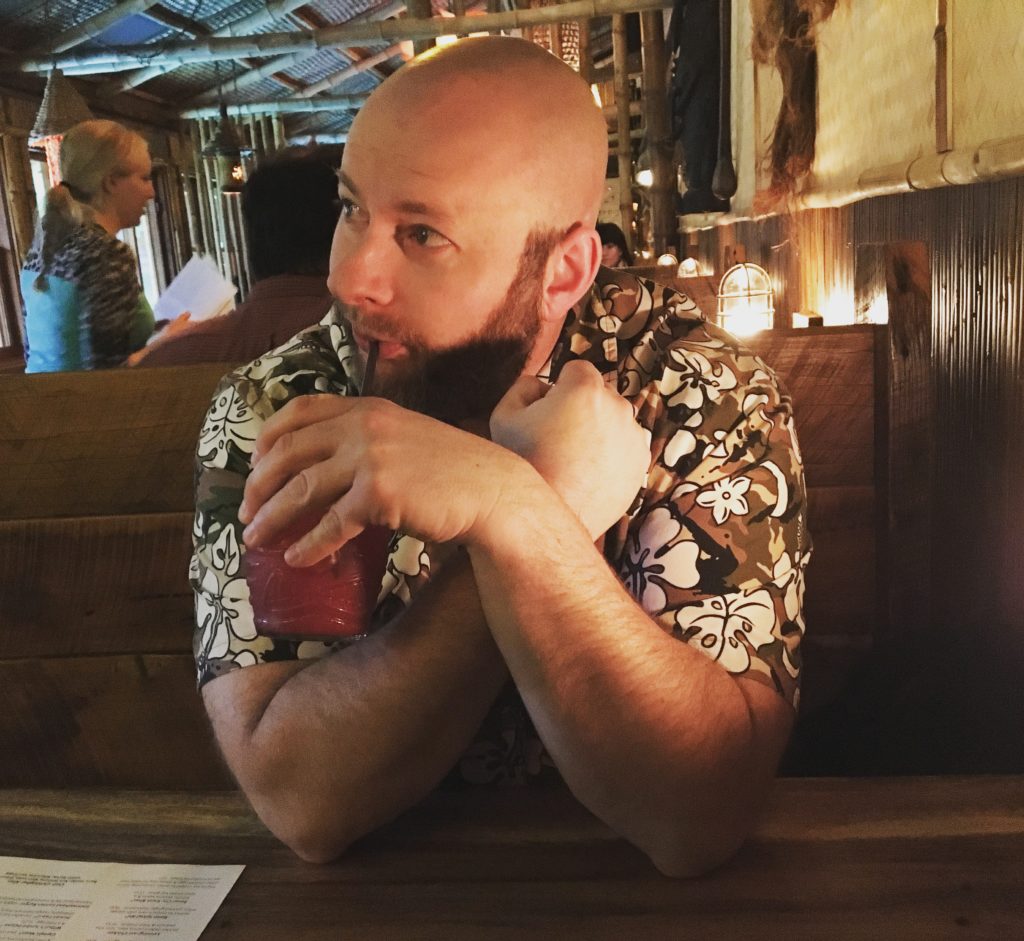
(348,208)
(426,237)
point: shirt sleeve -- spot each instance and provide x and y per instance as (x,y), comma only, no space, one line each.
(717,550)
(225,637)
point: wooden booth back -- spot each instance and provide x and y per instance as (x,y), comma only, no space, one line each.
(96,674)
(96,678)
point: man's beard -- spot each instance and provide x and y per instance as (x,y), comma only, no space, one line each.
(465,382)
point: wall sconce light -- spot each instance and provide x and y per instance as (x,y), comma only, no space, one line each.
(688,268)
(746,300)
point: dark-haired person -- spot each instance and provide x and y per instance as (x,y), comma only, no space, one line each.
(614,251)
(290,208)
(84,308)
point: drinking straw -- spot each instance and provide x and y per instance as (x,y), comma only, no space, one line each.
(371,366)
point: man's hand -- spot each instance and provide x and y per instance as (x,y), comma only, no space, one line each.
(357,462)
(581,437)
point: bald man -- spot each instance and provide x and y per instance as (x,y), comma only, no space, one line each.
(597,504)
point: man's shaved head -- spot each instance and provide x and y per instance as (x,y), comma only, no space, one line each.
(470,186)
(508,99)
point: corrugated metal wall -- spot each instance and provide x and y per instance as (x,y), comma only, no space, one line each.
(976,240)
(945,691)
(975,236)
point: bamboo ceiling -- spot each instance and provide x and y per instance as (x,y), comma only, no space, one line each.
(190,54)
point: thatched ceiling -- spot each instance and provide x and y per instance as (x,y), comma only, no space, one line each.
(39,33)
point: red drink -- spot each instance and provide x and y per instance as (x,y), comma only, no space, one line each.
(334,598)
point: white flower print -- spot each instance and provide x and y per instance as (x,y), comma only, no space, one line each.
(223,611)
(683,442)
(222,598)
(726,497)
(692,379)
(229,421)
(652,562)
(788,573)
(225,556)
(260,368)
(720,624)
(406,561)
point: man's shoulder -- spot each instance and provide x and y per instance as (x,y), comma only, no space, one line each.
(314,361)
(641,328)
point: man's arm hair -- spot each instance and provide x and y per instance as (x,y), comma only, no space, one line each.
(329,749)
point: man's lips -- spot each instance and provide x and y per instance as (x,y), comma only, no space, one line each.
(386,349)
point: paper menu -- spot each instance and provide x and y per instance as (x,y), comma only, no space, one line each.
(55,900)
(200,289)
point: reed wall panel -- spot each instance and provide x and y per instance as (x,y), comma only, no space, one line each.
(976,239)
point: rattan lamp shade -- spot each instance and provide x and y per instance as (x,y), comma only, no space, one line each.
(63,107)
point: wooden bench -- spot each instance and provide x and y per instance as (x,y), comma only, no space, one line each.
(97,684)
(96,675)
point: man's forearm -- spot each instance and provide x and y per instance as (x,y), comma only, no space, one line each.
(655,738)
(328,751)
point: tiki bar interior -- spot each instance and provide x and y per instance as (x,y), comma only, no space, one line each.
(837,183)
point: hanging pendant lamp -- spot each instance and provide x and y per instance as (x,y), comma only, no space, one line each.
(62,108)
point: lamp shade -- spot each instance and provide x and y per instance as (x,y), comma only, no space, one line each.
(224,142)
(746,299)
(62,108)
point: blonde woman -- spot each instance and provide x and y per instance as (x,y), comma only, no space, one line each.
(84,308)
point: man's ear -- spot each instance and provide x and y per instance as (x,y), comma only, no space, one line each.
(571,271)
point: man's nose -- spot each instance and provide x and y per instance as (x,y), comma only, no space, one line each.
(363,270)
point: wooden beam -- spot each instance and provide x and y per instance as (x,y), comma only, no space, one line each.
(175,20)
(624,147)
(421,9)
(390,31)
(659,145)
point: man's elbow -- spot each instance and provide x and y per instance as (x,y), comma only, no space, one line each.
(688,855)
(310,836)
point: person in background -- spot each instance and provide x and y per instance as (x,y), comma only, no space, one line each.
(290,208)
(615,252)
(84,308)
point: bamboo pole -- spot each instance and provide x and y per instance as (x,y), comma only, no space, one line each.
(586,56)
(280,63)
(663,217)
(421,10)
(389,31)
(272,10)
(277,124)
(206,178)
(202,188)
(195,235)
(280,106)
(624,149)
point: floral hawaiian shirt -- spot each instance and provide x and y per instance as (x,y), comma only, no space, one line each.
(714,548)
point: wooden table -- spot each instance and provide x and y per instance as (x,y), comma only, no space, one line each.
(902,859)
